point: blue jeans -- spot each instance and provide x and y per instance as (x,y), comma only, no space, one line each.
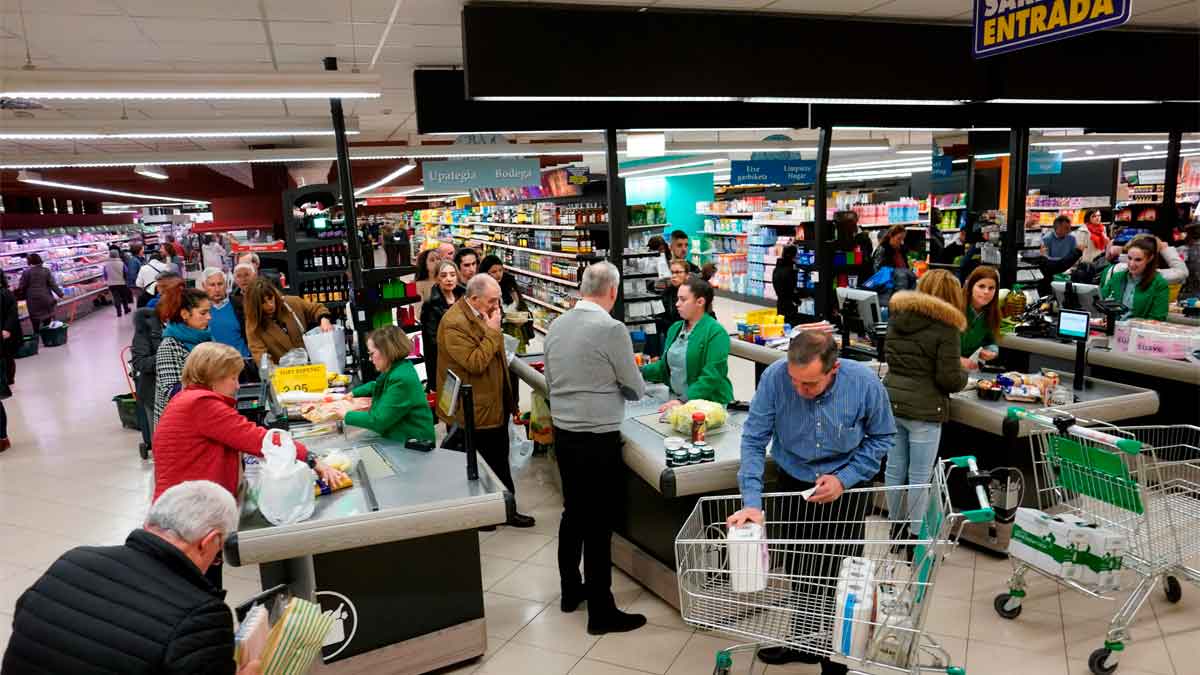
(910,462)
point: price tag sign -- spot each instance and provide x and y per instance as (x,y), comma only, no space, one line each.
(312,379)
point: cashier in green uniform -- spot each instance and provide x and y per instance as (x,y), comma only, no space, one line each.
(695,362)
(982,310)
(394,404)
(1139,288)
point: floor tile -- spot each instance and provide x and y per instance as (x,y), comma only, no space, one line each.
(552,629)
(650,648)
(507,616)
(948,616)
(519,659)
(1033,631)
(13,586)
(547,556)
(5,628)
(657,611)
(1080,667)
(954,581)
(472,666)
(1146,651)
(699,656)
(494,569)
(590,667)
(530,582)
(1041,594)
(989,659)
(1184,650)
(513,544)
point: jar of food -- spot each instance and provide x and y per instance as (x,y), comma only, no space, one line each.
(699,426)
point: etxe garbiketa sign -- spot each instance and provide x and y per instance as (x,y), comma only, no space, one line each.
(1007,25)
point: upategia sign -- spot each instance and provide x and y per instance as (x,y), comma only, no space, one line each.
(468,174)
(1007,25)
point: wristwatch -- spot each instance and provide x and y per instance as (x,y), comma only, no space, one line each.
(311,460)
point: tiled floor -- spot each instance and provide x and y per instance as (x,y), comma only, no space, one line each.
(73,477)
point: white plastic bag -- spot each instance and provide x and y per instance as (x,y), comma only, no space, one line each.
(328,348)
(520,448)
(285,494)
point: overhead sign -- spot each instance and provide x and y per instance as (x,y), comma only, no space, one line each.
(386,201)
(1044,163)
(467,174)
(943,166)
(1007,25)
(773,172)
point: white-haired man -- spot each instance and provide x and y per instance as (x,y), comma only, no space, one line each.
(228,324)
(144,607)
(471,345)
(590,371)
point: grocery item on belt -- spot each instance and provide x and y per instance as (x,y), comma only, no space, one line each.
(680,417)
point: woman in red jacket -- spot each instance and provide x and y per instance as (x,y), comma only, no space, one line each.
(201,435)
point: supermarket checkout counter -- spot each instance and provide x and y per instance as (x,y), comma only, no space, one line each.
(402,538)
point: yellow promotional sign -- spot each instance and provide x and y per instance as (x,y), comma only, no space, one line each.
(300,378)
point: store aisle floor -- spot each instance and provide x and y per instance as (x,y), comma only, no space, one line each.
(73,477)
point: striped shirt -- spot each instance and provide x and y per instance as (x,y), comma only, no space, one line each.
(845,431)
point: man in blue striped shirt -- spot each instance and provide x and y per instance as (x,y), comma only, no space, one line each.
(829,422)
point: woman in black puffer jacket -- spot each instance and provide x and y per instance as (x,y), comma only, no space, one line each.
(923,370)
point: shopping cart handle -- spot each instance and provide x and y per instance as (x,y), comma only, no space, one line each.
(985,513)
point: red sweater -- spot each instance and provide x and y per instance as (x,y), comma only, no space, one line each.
(201,436)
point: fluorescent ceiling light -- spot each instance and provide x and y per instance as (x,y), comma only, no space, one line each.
(1070,101)
(84,130)
(693,172)
(894,129)
(1104,139)
(664,166)
(849,145)
(699,129)
(175,85)
(992,155)
(404,168)
(645,145)
(601,99)
(851,101)
(151,171)
(911,161)
(102,191)
(959,161)
(536,132)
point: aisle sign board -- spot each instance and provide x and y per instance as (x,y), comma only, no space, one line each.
(468,174)
(1008,25)
(1044,163)
(943,166)
(312,379)
(773,172)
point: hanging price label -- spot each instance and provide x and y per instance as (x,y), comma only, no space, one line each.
(312,379)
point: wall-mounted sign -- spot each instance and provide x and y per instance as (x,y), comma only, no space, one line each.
(943,166)
(773,172)
(1007,25)
(1044,163)
(466,174)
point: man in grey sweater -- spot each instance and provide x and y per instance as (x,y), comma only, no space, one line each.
(590,372)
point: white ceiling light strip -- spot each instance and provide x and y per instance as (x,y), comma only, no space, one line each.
(850,101)
(151,171)
(163,85)
(409,166)
(601,99)
(665,166)
(85,130)
(693,172)
(911,161)
(102,191)
(1070,101)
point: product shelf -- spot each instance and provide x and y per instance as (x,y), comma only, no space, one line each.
(543,303)
(539,251)
(539,275)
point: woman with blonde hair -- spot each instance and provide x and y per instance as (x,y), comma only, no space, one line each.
(923,370)
(394,404)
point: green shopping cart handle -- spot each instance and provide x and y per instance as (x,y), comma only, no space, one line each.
(1126,445)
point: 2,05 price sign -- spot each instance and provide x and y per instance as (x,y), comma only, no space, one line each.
(300,378)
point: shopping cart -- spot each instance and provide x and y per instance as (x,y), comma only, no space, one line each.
(1140,483)
(787,588)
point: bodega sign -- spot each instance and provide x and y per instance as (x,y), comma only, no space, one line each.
(1008,25)
(468,174)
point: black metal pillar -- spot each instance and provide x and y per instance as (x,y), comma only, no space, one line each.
(1164,227)
(618,226)
(970,218)
(1018,180)
(346,182)
(826,297)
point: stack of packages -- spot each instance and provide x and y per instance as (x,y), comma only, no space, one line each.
(1070,548)
(1157,339)
(291,645)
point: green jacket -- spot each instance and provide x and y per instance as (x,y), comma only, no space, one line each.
(1148,304)
(976,335)
(707,362)
(399,410)
(922,356)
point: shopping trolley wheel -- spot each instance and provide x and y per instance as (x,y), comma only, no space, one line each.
(1101,662)
(1173,590)
(1007,606)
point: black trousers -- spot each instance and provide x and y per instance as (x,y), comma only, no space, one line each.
(492,445)
(816,566)
(590,466)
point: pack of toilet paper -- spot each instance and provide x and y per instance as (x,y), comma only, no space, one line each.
(1069,547)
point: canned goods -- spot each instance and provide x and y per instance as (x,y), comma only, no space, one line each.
(671,444)
(695,456)
(708,454)
(679,458)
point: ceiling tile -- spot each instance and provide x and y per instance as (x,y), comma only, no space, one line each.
(712,4)
(191,9)
(843,7)
(326,32)
(59,29)
(430,12)
(62,7)
(1186,13)
(214,52)
(918,9)
(333,10)
(203,30)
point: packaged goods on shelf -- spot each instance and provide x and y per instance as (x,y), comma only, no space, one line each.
(1157,339)
(1039,201)
(652,213)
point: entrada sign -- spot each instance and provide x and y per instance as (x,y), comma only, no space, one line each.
(1007,25)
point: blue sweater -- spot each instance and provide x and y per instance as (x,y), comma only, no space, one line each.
(226,329)
(845,431)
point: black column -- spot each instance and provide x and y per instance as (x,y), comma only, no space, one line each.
(1018,179)
(346,182)
(618,232)
(1164,227)
(825,299)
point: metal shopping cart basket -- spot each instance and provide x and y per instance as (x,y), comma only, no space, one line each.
(827,579)
(1139,488)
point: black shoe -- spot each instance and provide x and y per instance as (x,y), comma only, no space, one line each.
(830,668)
(488,528)
(521,520)
(571,600)
(777,656)
(614,621)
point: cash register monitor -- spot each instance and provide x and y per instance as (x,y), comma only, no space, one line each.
(1086,295)
(1073,325)
(448,397)
(867,303)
